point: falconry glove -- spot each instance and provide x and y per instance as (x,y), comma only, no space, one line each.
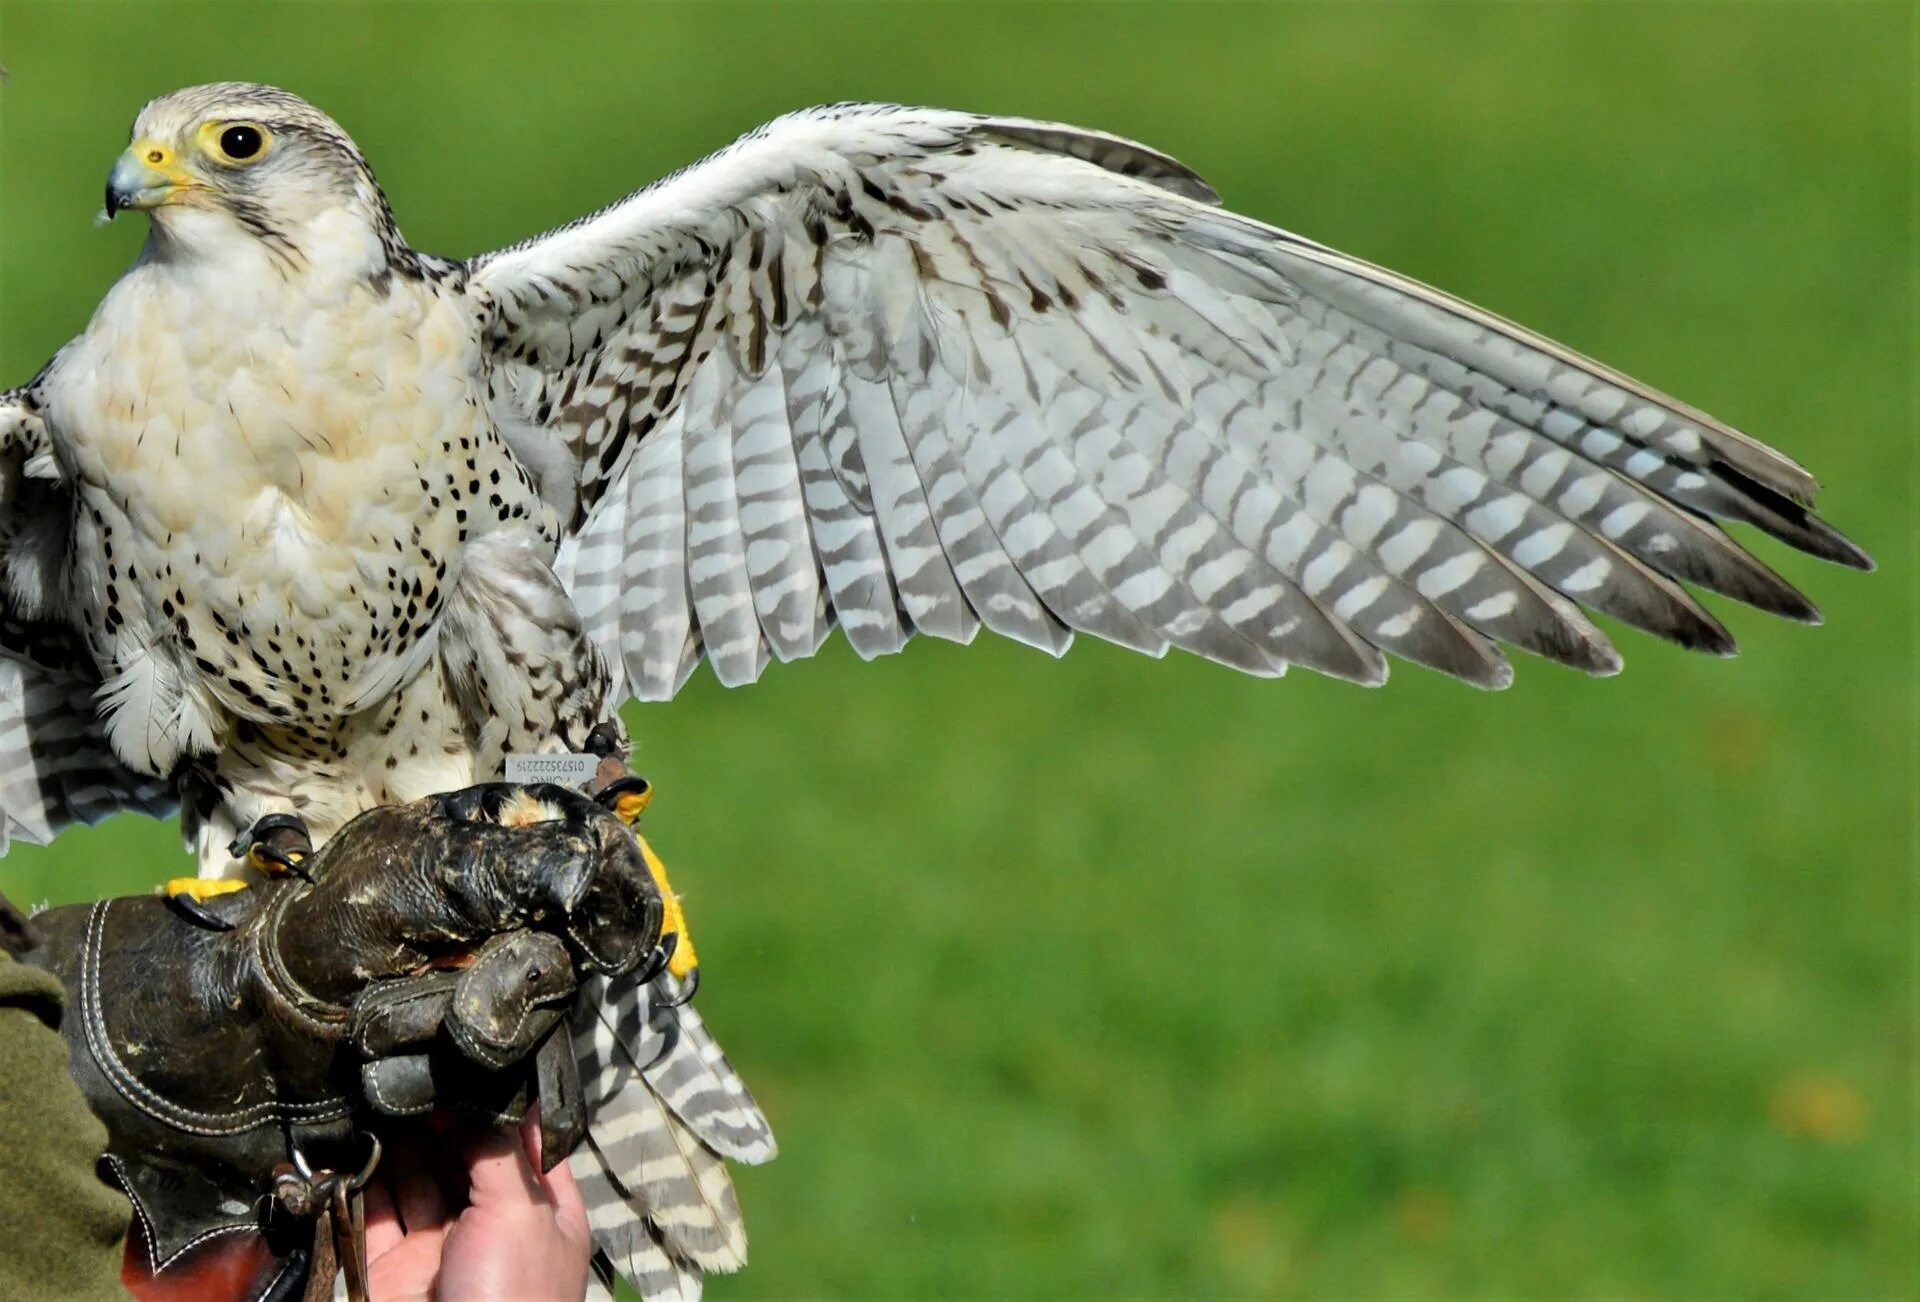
(241,1049)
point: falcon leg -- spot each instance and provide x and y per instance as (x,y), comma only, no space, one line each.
(656,962)
(275,846)
(628,796)
(682,961)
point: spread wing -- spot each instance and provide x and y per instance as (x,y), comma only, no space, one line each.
(56,767)
(916,371)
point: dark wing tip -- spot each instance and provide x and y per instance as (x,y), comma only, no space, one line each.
(1595,657)
(1844,550)
(1818,538)
(1790,519)
(1713,640)
(1791,603)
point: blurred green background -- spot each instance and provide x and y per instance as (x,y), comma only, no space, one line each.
(1114,977)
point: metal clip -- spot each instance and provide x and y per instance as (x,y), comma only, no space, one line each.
(333,1199)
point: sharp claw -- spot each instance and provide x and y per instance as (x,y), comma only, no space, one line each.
(669,1040)
(657,959)
(275,862)
(688,989)
(653,965)
(186,894)
(271,823)
(276,845)
(197,912)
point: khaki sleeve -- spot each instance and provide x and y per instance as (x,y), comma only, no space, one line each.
(62,1229)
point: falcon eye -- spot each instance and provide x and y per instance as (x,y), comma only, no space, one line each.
(241,142)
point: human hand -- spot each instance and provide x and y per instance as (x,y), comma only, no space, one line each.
(476,1220)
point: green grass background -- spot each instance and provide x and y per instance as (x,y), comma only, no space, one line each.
(1114,977)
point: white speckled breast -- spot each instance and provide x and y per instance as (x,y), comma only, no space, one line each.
(276,470)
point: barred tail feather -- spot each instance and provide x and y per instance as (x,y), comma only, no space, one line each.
(665,1109)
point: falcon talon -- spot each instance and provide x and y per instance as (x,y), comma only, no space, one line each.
(276,845)
(690,986)
(271,861)
(627,797)
(652,965)
(196,912)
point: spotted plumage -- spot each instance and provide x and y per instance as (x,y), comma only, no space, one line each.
(326,522)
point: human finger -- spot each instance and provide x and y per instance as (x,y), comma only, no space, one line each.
(499,1172)
(383,1220)
(569,1208)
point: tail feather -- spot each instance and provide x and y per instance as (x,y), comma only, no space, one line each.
(625,1245)
(665,1108)
(703,1090)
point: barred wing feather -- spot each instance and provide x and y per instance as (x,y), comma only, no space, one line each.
(56,766)
(906,371)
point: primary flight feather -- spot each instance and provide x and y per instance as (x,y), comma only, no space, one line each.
(307,520)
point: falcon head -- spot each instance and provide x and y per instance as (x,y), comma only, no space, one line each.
(236,161)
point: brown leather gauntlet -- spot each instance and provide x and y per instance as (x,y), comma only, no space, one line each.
(430,961)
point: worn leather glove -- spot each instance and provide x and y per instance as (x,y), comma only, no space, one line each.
(425,957)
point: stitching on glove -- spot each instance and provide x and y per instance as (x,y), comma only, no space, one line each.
(317,1013)
(371,1081)
(598,959)
(154,1266)
(129,1086)
(476,1050)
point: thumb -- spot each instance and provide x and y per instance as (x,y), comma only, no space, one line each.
(500,1174)
(563,1192)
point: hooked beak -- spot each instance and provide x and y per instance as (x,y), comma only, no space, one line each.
(144,177)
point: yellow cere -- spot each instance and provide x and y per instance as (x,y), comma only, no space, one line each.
(162,160)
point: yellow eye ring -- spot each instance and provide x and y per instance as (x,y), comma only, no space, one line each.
(236,143)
